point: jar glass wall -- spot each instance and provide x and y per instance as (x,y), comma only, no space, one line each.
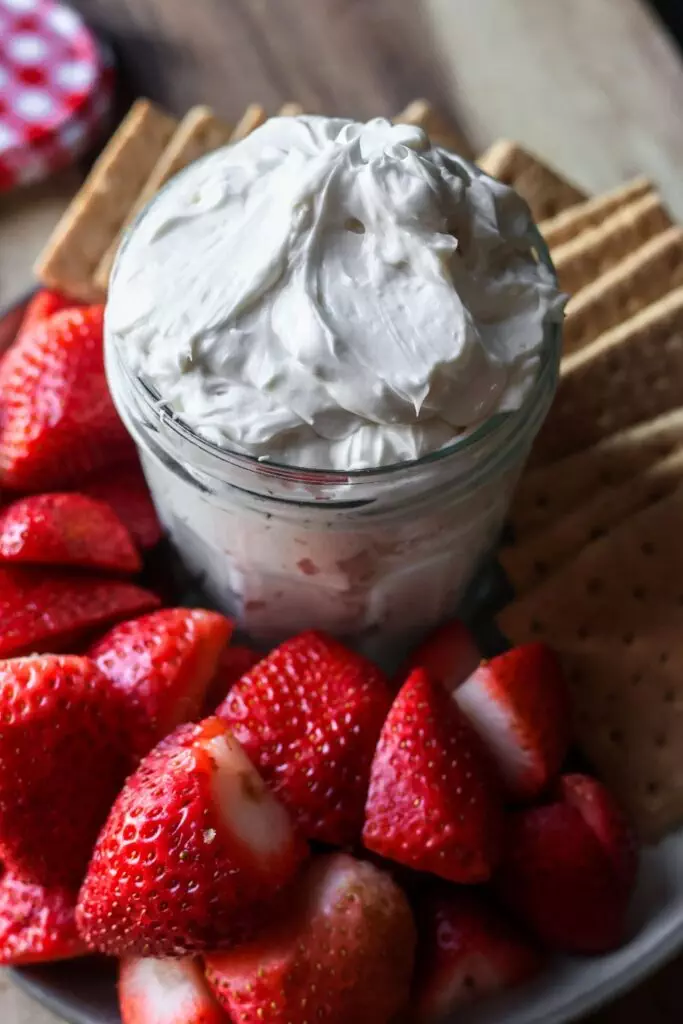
(375,557)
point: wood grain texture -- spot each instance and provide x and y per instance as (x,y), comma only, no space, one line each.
(355,57)
(594,86)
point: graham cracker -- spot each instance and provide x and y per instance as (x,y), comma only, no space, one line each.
(615,616)
(534,560)
(632,373)
(440,129)
(637,280)
(597,250)
(544,189)
(290,110)
(544,495)
(199,132)
(252,118)
(590,214)
(98,211)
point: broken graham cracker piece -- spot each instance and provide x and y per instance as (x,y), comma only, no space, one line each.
(534,560)
(637,280)
(252,118)
(630,374)
(615,616)
(98,211)
(544,189)
(544,495)
(590,214)
(584,259)
(441,131)
(199,132)
(290,110)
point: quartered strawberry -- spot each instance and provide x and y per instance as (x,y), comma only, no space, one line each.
(344,954)
(126,490)
(467,950)
(66,529)
(193,853)
(166,992)
(448,655)
(162,664)
(58,420)
(519,705)
(433,803)
(605,818)
(562,879)
(51,610)
(62,762)
(309,716)
(44,304)
(234,662)
(37,925)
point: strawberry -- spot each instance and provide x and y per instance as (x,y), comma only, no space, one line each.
(126,490)
(448,655)
(166,992)
(519,705)
(234,662)
(433,803)
(42,610)
(37,925)
(607,821)
(193,853)
(44,304)
(58,419)
(162,664)
(467,950)
(562,880)
(66,529)
(309,716)
(62,763)
(344,954)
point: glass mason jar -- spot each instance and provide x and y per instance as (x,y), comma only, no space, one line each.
(377,557)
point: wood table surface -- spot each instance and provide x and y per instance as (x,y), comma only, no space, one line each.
(595,86)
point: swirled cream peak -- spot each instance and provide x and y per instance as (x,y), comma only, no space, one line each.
(333,294)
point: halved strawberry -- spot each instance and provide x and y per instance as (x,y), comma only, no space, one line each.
(50,610)
(44,304)
(562,879)
(448,655)
(62,762)
(166,992)
(126,490)
(235,661)
(434,803)
(343,954)
(193,853)
(66,529)
(519,705)
(162,664)
(309,716)
(37,925)
(467,950)
(58,420)
(605,818)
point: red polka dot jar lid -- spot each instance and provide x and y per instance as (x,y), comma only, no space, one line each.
(56,87)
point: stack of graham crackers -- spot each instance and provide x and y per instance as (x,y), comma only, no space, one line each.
(596,563)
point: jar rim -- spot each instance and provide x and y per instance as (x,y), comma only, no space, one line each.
(550,353)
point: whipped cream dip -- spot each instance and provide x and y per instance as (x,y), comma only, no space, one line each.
(334,345)
(334,295)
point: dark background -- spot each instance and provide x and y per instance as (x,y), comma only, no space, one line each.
(671,12)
